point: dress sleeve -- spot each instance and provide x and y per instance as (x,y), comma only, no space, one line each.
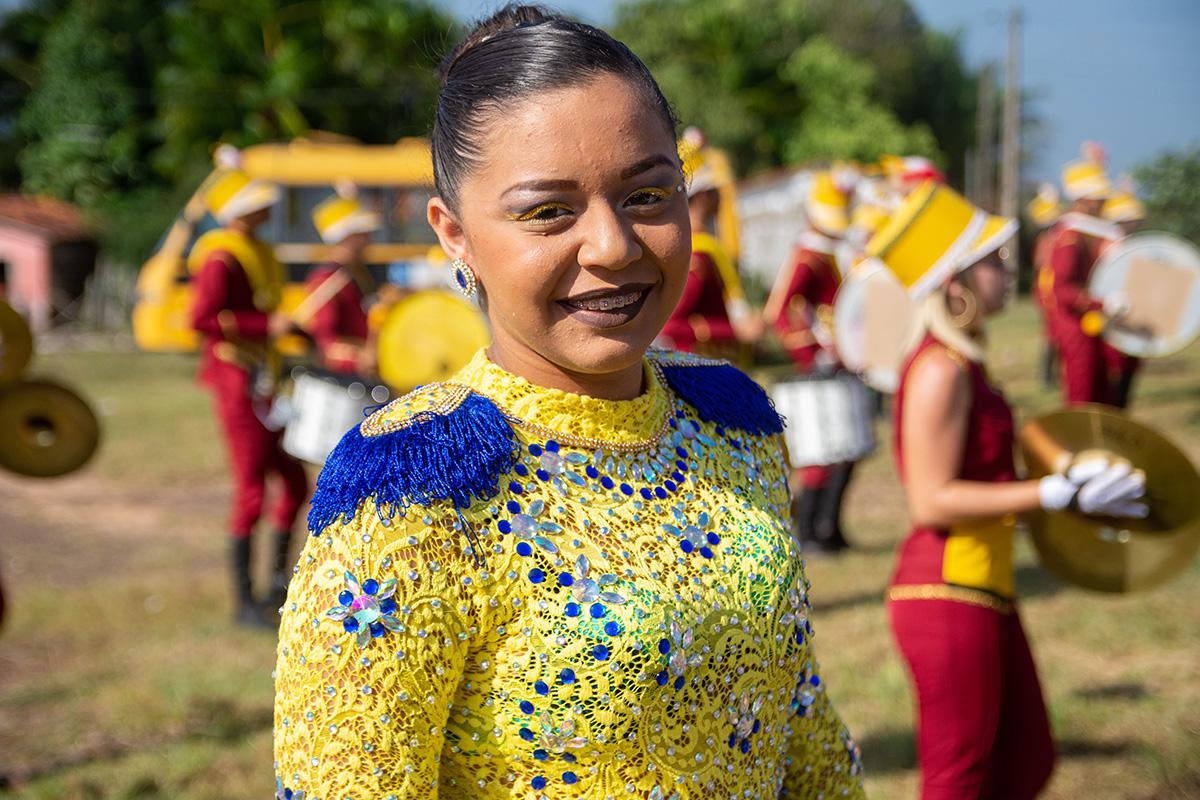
(211,314)
(1068,268)
(823,760)
(373,643)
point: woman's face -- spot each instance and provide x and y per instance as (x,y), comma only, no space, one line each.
(576,225)
(991,283)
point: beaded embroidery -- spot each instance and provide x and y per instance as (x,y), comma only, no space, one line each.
(640,628)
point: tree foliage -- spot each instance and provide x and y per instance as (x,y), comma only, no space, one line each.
(1171,191)
(740,69)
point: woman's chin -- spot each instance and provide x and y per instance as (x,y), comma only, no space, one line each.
(592,352)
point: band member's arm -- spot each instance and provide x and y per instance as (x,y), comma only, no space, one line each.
(211,314)
(1068,266)
(934,433)
(367,716)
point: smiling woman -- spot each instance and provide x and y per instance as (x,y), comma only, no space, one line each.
(566,572)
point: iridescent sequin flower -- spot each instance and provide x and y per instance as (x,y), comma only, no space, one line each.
(797,616)
(526,526)
(366,609)
(854,751)
(805,693)
(589,590)
(692,537)
(744,719)
(678,660)
(559,739)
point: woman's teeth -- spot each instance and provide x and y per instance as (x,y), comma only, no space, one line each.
(607,303)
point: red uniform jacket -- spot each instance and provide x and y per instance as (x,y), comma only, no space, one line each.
(701,316)
(340,325)
(803,295)
(233,329)
(975,556)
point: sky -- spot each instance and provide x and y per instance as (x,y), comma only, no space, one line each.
(1125,73)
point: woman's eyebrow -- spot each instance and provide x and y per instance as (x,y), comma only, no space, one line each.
(560,184)
(646,164)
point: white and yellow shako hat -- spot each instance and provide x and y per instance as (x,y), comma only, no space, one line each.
(1085,178)
(826,205)
(1044,209)
(233,193)
(704,168)
(1124,205)
(933,234)
(342,215)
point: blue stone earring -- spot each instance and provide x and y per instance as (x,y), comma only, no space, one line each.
(464,278)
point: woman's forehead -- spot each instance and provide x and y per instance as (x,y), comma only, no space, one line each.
(597,130)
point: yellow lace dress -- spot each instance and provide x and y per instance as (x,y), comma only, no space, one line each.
(626,615)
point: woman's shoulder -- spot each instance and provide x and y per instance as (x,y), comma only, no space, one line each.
(442,447)
(719,392)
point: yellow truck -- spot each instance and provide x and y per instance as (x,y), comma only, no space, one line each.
(395,180)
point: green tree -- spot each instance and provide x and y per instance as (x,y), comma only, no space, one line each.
(722,64)
(22,32)
(1171,191)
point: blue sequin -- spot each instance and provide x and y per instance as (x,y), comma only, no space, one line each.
(592,472)
(521,470)
(626,489)
(346,598)
(678,476)
(504,525)
(350,624)
(552,446)
(670,486)
(515,487)
(683,467)
(745,745)
(646,493)
(536,575)
(679,683)
(540,754)
(526,707)
(815,680)
(573,610)
(388,606)
(527,734)
(600,652)
(664,646)
(565,579)
(706,552)
(377,630)
(513,507)
(660,493)
(686,546)
(543,475)
(569,777)
(679,451)
(567,675)
(607,482)
(713,538)
(541,688)
(661,678)
(612,628)
(535,450)
(597,610)
(539,782)
(524,549)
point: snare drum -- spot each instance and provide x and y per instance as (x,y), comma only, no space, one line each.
(323,407)
(830,419)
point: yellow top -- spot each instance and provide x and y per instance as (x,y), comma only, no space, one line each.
(262,268)
(633,621)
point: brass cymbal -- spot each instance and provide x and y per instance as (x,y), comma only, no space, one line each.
(16,344)
(1106,554)
(46,430)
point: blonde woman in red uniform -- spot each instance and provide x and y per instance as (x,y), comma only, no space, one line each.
(981,720)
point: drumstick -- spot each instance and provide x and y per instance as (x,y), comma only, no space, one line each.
(1045,448)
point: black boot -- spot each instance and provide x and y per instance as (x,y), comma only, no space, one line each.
(1049,366)
(1122,389)
(281,571)
(246,611)
(804,519)
(828,525)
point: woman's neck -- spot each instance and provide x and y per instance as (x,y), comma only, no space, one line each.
(623,384)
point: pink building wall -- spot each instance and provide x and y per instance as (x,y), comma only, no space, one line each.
(27,281)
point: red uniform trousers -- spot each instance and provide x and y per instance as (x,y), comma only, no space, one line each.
(1084,371)
(254,452)
(982,732)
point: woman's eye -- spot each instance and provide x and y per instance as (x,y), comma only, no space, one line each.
(543,213)
(647,197)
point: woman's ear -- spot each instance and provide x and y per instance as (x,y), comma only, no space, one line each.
(449,232)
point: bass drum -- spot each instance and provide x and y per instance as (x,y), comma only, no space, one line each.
(830,420)
(873,323)
(426,337)
(322,407)
(1157,276)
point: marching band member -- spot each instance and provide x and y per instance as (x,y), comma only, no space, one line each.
(1077,318)
(800,308)
(339,323)
(1124,210)
(713,297)
(238,286)
(521,581)
(1043,211)
(981,719)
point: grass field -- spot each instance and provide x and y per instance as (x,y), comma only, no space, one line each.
(121,677)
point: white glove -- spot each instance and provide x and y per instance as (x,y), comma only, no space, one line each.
(1116,305)
(1097,486)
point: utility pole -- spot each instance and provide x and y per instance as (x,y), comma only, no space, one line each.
(1010,153)
(984,193)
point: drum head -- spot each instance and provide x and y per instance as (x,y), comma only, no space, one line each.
(1158,275)
(46,430)
(16,344)
(427,337)
(873,320)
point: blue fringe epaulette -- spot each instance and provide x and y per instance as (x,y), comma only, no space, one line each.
(441,442)
(720,392)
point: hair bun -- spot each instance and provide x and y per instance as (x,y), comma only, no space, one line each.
(510,17)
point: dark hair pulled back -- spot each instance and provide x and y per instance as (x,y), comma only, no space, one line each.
(519,51)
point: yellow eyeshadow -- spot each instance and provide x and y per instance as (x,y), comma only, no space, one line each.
(533,212)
